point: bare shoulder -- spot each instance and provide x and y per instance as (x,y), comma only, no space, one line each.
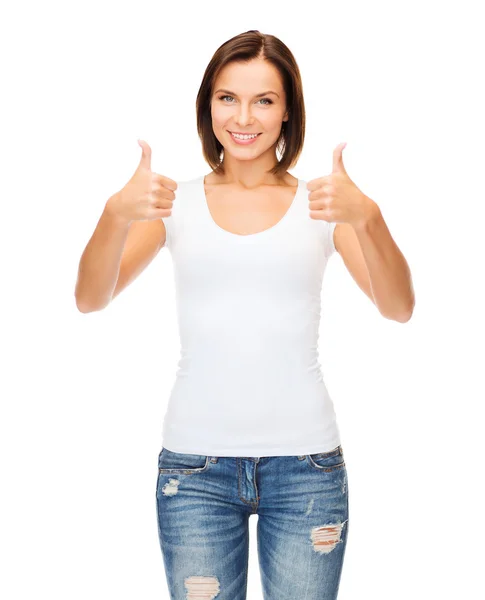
(162,230)
(340,231)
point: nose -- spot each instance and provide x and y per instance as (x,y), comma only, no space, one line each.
(243,118)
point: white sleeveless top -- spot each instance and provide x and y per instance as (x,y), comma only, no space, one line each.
(249,381)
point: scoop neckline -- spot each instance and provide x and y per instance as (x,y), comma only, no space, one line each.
(249,236)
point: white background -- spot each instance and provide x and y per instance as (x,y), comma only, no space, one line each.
(83,395)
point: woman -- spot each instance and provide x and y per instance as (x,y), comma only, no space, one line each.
(250,427)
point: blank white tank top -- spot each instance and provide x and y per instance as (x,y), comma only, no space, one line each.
(249,381)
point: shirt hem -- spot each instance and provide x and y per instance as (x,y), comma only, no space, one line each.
(255,452)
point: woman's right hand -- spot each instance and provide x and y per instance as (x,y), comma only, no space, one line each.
(147,196)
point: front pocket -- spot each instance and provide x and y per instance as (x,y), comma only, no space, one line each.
(327,461)
(170,462)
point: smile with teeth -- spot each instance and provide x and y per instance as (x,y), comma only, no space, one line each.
(244,137)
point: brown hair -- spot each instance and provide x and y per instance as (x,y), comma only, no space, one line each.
(244,48)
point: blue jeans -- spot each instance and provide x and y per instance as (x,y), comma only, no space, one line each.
(203,508)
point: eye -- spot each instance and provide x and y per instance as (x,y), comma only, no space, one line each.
(267,99)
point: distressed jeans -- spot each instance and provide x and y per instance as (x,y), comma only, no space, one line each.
(203,506)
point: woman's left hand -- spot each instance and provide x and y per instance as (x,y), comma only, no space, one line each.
(336,198)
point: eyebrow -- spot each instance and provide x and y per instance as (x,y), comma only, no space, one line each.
(256,96)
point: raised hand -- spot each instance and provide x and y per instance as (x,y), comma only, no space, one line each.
(335,198)
(147,195)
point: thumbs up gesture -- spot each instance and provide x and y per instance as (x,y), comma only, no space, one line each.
(335,198)
(147,195)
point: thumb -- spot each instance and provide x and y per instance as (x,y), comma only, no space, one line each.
(146,155)
(338,163)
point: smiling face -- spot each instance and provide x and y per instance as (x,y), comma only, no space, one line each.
(242,103)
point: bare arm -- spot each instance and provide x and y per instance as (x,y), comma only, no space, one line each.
(114,256)
(100,262)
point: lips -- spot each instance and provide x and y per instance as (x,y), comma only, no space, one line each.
(247,133)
